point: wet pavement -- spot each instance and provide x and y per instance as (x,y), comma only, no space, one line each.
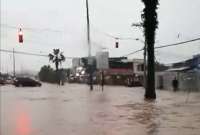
(74,110)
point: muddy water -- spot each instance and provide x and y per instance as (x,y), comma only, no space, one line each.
(74,110)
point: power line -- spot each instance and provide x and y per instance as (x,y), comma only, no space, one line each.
(164,46)
(179,43)
(114,37)
(27,53)
(32,29)
(133,52)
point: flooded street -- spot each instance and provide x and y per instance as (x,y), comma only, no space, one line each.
(74,110)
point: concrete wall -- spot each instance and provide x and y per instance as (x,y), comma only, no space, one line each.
(190,81)
(167,80)
(187,81)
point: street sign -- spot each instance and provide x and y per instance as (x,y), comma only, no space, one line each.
(102,60)
(75,62)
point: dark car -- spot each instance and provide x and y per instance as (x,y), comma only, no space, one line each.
(2,81)
(25,81)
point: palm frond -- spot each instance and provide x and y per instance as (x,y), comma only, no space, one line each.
(51,57)
(56,51)
(57,57)
(62,57)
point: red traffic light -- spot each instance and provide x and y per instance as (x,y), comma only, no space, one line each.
(117,45)
(20,36)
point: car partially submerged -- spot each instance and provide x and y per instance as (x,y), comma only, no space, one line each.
(2,81)
(26,82)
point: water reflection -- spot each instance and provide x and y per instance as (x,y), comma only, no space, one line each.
(23,123)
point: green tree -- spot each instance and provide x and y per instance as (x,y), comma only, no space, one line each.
(150,24)
(57,57)
(47,74)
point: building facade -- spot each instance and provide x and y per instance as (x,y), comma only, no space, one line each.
(187,73)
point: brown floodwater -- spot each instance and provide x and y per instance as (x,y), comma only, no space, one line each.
(75,110)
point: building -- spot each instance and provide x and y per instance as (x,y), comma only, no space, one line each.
(120,71)
(123,71)
(80,70)
(186,72)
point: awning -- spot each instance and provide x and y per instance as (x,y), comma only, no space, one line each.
(179,69)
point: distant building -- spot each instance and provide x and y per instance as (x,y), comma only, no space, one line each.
(76,62)
(138,66)
(102,60)
(122,70)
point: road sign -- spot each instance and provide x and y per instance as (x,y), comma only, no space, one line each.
(102,60)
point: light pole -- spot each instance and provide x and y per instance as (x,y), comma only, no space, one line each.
(145,61)
(89,48)
(140,25)
(88,29)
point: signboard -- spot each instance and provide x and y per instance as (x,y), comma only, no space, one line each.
(102,60)
(90,61)
(75,62)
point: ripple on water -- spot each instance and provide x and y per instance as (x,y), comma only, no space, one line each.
(39,98)
(145,114)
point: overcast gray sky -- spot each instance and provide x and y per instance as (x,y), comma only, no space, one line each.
(65,21)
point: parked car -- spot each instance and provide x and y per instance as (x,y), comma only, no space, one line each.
(8,81)
(2,81)
(25,81)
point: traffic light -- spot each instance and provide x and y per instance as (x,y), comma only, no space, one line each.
(20,36)
(116,44)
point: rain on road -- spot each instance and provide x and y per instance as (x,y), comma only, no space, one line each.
(74,110)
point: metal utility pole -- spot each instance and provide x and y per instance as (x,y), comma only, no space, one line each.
(145,63)
(88,29)
(89,48)
(13,62)
(140,25)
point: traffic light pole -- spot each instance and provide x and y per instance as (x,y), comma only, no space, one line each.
(89,48)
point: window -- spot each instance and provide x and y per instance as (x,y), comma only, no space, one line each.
(140,67)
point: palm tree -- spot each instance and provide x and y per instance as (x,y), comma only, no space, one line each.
(150,24)
(56,57)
